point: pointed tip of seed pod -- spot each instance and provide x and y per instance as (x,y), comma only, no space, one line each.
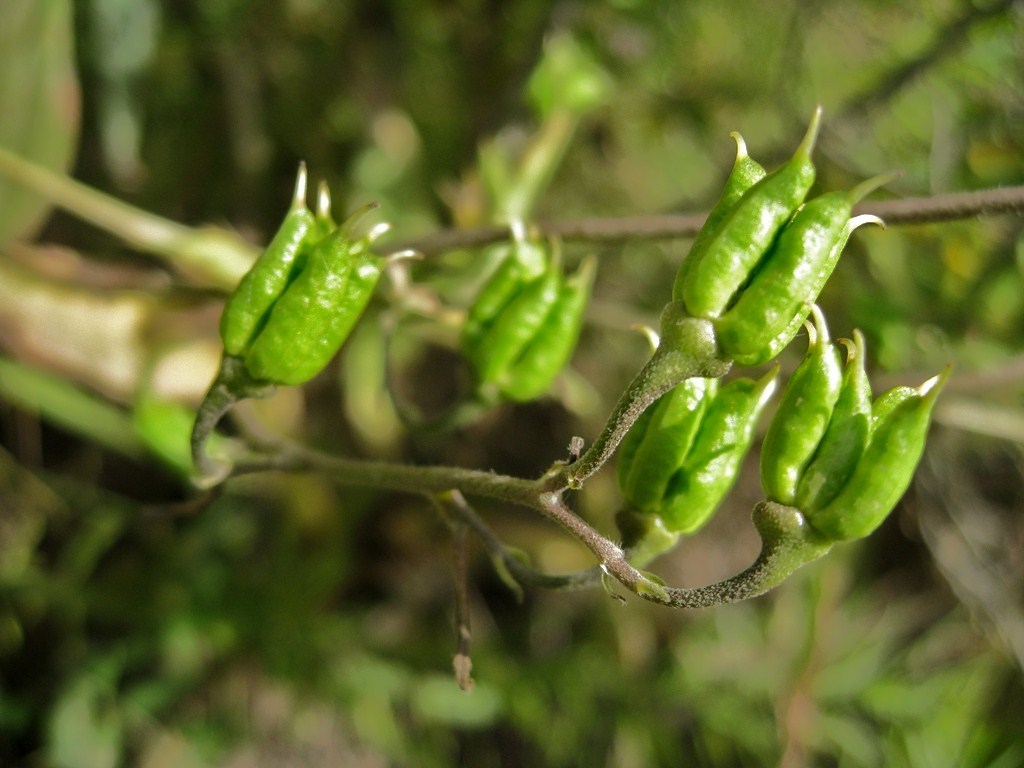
(868,186)
(767,384)
(862,219)
(859,347)
(651,335)
(850,347)
(376,231)
(817,329)
(323,200)
(934,385)
(356,216)
(408,254)
(854,347)
(518,229)
(586,271)
(741,145)
(811,136)
(301,182)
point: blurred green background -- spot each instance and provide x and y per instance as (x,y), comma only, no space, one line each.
(291,622)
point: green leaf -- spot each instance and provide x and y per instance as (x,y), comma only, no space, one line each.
(437,699)
(69,406)
(567,77)
(39,101)
(85,728)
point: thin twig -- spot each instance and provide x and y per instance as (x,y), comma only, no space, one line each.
(912,210)
(463,661)
(506,561)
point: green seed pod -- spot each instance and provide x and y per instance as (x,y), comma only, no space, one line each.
(517,324)
(745,173)
(803,416)
(791,276)
(658,443)
(849,430)
(249,304)
(737,246)
(771,349)
(522,262)
(886,468)
(524,325)
(714,461)
(644,535)
(551,347)
(496,293)
(889,401)
(310,322)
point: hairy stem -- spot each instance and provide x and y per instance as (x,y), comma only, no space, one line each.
(232,384)
(788,542)
(688,348)
(511,569)
(386,476)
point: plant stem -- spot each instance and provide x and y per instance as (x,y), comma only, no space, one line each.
(688,348)
(910,210)
(462,663)
(511,568)
(217,256)
(539,163)
(396,477)
(232,384)
(788,542)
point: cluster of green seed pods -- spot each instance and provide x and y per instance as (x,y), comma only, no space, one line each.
(293,310)
(763,255)
(831,452)
(683,454)
(833,458)
(523,326)
(834,461)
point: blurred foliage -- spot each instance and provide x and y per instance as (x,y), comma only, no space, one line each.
(288,621)
(39,92)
